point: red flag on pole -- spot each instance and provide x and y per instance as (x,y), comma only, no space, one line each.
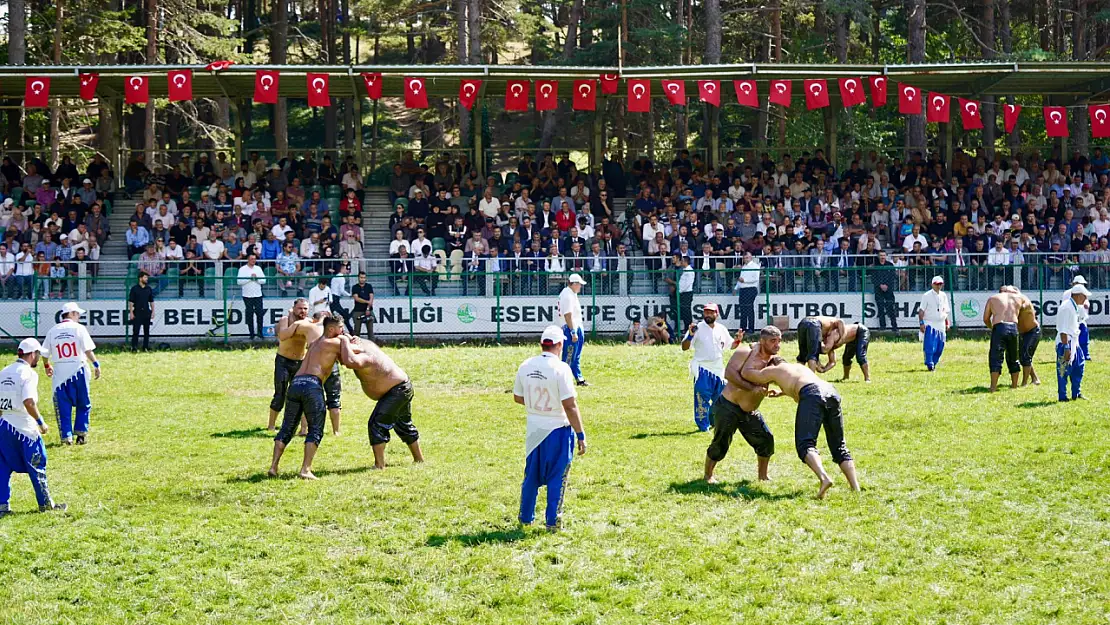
(373,83)
(137,90)
(468,93)
(938,110)
(416,97)
(37,94)
(317,89)
(851,92)
(675,90)
(516,95)
(180,85)
(747,93)
(909,100)
(585,95)
(1010,114)
(547,95)
(1100,120)
(1056,121)
(265,87)
(709,91)
(780,93)
(817,93)
(609,83)
(878,91)
(969,114)
(88,86)
(639,96)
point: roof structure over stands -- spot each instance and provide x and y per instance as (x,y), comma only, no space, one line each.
(1075,79)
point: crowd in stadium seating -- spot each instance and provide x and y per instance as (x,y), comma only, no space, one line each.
(791,213)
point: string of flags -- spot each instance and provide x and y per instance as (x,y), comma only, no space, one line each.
(520,94)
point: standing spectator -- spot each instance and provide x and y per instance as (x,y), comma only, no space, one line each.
(24,272)
(140,304)
(1070,361)
(7,272)
(250,279)
(747,287)
(886,283)
(934,312)
(363,310)
(338,292)
(685,291)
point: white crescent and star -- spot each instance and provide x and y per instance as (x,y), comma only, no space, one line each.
(318,84)
(672,87)
(880,81)
(584,90)
(517,89)
(909,92)
(415,85)
(638,89)
(815,89)
(938,102)
(746,87)
(545,89)
(37,86)
(469,89)
(710,87)
(370,80)
(780,87)
(851,84)
(1100,115)
(608,76)
(266,80)
(1056,116)
(136,82)
(972,108)
(179,83)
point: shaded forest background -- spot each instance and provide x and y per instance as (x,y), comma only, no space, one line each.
(551,32)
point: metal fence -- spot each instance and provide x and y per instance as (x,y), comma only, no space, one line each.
(457,302)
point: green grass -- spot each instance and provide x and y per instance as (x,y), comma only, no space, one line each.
(975,509)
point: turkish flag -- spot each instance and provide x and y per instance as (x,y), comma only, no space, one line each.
(136,90)
(609,83)
(265,87)
(878,90)
(1010,113)
(585,95)
(851,92)
(547,95)
(938,110)
(88,86)
(317,89)
(969,114)
(416,96)
(1100,120)
(180,85)
(709,91)
(218,66)
(747,93)
(780,93)
(639,96)
(373,83)
(1056,121)
(909,100)
(468,93)
(817,93)
(516,95)
(37,94)
(675,90)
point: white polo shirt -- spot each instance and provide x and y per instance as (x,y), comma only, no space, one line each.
(936,309)
(568,303)
(249,287)
(18,383)
(544,382)
(709,346)
(67,343)
(1067,322)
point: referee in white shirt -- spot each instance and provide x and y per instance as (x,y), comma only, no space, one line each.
(545,387)
(570,314)
(933,313)
(250,281)
(709,339)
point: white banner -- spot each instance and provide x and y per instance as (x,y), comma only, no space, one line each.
(486,316)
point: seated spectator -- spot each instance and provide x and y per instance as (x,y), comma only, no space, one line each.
(289,269)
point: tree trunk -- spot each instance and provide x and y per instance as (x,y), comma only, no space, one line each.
(151,59)
(840,23)
(279,45)
(681,118)
(1006,39)
(348,103)
(876,26)
(1079,30)
(17,55)
(327,46)
(711,114)
(552,119)
(463,59)
(988,51)
(473,16)
(915,53)
(776,56)
(55,112)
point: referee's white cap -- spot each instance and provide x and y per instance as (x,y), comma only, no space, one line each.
(576,278)
(1079,280)
(30,346)
(551,335)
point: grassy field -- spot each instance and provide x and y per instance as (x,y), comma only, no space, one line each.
(975,508)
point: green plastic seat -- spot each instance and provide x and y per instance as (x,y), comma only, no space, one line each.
(403,201)
(334,189)
(439,244)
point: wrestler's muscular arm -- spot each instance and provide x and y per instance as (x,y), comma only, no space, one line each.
(733,375)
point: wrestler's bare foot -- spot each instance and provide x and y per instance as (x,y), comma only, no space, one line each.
(764,478)
(378,467)
(336,433)
(712,479)
(825,486)
(306,474)
(1036,381)
(272,472)
(270,428)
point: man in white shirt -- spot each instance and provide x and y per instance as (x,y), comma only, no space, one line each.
(545,387)
(489,205)
(280,228)
(706,369)
(1084,312)
(339,290)
(69,345)
(319,296)
(250,281)
(213,248)
(7,272)
(933,313)
(570,316)
(1070,362)
(22,449)
(747,287)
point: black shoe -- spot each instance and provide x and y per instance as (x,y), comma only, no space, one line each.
(583,383)
(1079,396)
(54,507)
(81,439)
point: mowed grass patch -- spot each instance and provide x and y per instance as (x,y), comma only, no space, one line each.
(976,508)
